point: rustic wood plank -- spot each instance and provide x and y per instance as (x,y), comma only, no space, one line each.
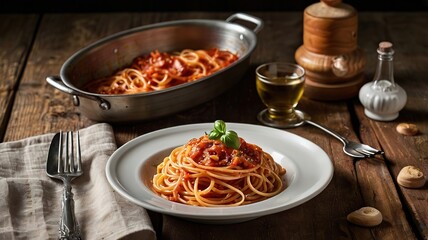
(408,33)
(17,33)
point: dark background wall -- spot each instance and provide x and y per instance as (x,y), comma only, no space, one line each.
(41,6)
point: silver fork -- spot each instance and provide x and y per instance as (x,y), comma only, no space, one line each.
(69,166)
(353,149)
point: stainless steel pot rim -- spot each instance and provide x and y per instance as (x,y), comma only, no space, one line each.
(199,22)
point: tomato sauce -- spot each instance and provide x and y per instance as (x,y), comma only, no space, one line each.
(215,153)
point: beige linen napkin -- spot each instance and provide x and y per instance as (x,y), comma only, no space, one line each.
(30,201)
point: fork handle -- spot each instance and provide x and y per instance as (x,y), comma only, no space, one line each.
(334,134)
(68,227)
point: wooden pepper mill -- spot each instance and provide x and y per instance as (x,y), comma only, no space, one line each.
(333,61)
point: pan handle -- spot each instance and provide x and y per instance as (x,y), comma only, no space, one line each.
(249,18)
(56,82)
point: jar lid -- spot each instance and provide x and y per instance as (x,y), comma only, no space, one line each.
(331,9)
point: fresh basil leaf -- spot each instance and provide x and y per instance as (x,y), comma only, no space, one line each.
(231,132)
(220,126)
(231,139)
(214,134)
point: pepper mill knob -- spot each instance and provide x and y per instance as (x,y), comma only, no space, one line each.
(332,3)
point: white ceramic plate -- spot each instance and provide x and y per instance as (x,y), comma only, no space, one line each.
(131,167)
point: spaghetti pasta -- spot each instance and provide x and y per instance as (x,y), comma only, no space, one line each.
(160,70)
(207,173)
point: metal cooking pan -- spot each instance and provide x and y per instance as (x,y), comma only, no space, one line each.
(112,53)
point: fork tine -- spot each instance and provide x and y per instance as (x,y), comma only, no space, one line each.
(79,158)
(67,154)
(364,152)
(71,149)
(354,153)
(371,149)
(60,152)
(368,150)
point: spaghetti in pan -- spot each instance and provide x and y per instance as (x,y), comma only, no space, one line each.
(160,70)
(206,172)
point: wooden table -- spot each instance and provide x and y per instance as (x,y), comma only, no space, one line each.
(34,46)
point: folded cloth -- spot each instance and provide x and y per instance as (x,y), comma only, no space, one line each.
(30,201)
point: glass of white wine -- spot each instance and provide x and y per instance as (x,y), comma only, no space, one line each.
(280,86)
